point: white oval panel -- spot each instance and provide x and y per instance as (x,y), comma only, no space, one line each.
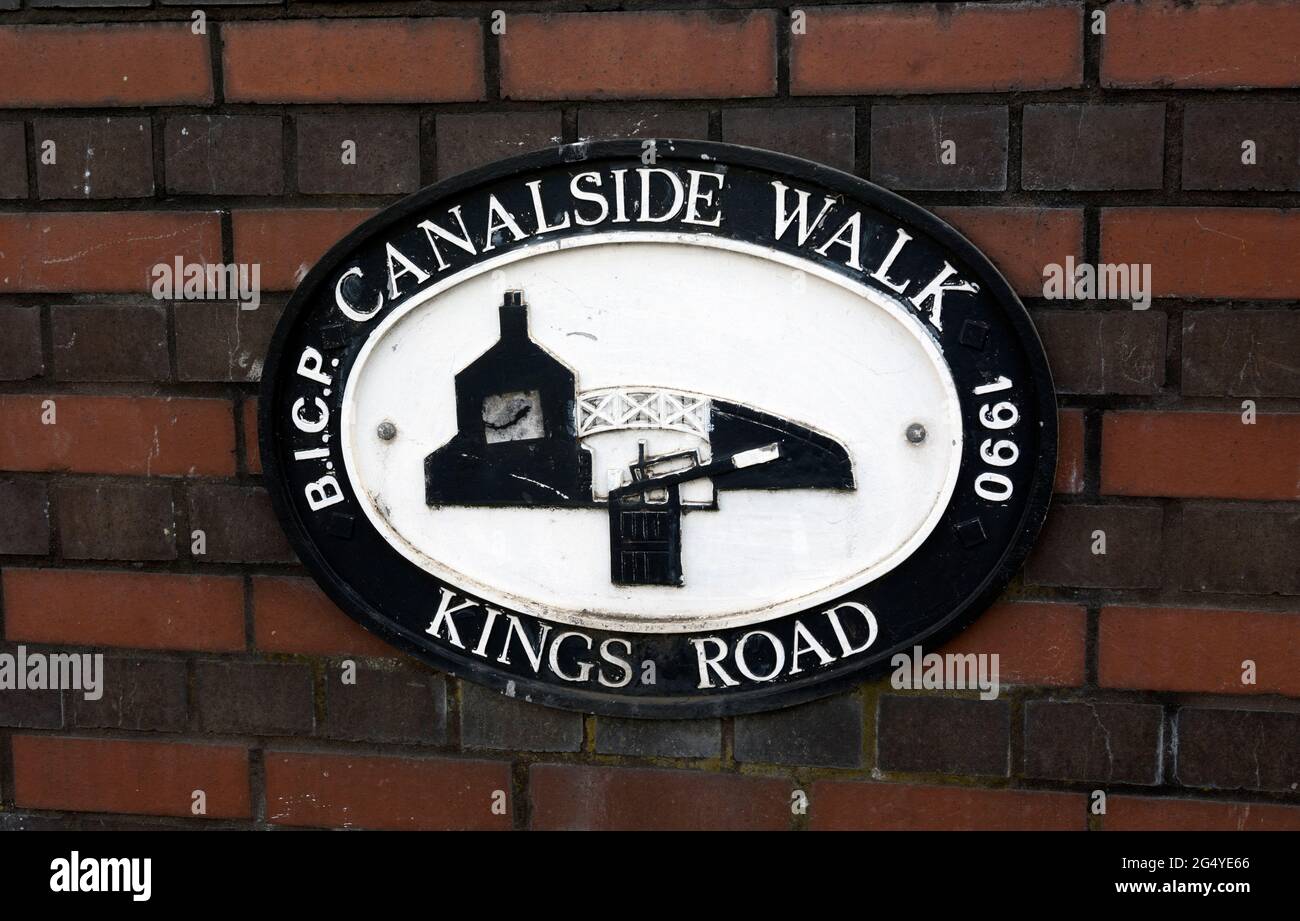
(713,317)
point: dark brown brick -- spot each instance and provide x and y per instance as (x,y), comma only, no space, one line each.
(1239,548)
(255,697)
(659,738)
(489,719)
(1237,749)
(20,343)
(110,343)
(239,524)
(95,158)
(1213,135)
(906,147)
(1091,147)
(823,134)
(587,797)
(1063,555)
(467,141)
(224,154)
(394,704)
(26,528)
(223,341)
(1084,740)
(1113,351)
(30,708)
(386,148)
(642,123)
(13,160)
(1241,353)
(148,695)
(116,521)
(826,732)
(39,4)
(944,735)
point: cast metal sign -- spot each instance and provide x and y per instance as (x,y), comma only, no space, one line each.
(707,432)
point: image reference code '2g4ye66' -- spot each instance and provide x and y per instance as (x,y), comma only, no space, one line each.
(712,434)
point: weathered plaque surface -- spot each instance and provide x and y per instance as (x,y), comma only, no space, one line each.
(658,430)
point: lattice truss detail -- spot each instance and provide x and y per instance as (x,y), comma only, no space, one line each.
(613,408)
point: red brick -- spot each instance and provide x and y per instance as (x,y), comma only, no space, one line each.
(354,60)
(101,252)
(151,778)
(103,65)
(347,791)
(1174,44)
(288,243)
(1141,813)
(252,454)
(1069,451)
(146,436)
(293,615)
(847,805)
(1193,649)
(1200,455)
(1039,644)
(579,797)
(1020,241)
(1208,252)
(650,55)
(131,609)
(931,48)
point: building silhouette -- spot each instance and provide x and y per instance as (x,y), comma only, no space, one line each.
(517,441)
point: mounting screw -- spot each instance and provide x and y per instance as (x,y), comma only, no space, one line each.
(387,431)
(916,433)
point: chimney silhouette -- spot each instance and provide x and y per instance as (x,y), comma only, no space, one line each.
(514,316)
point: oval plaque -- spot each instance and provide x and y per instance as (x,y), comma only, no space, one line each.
(669,429)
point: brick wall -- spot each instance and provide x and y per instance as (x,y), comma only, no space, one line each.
(225,669)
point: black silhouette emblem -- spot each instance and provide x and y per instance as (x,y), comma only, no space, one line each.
(522,422)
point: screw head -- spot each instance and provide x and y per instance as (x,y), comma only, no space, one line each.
(916,433)
(386,431)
